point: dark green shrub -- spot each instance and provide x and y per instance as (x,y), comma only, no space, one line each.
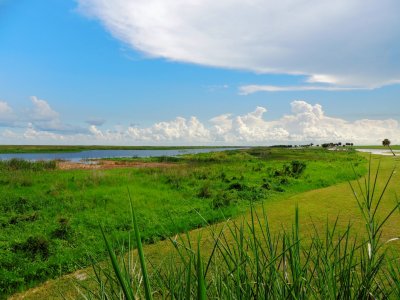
(294,169)
(34,246)
(23,218)
(266,185)
(238,186)
(22,204)
(223,199)
(252,193)
(64,230)
(298,167)
(205,191)
(279,189)
(284,181)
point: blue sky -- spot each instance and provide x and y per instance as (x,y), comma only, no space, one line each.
(125,72)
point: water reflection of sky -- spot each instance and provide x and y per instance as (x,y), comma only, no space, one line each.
(93,154)
(379,151)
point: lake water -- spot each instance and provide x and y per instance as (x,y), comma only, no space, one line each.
(96,154)
(379,151)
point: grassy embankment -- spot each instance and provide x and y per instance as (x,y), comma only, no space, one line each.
(50,217)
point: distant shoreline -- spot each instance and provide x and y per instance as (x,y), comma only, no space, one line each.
(80,148)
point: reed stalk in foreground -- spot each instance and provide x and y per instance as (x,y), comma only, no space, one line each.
(247,260)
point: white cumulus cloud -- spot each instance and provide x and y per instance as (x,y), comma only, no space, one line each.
(345,43)
(44,118)
(42,111)
(304,123)
(254,88)
(7,116)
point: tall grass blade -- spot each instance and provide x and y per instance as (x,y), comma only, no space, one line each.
(146,281)
(201,286)
(124,285)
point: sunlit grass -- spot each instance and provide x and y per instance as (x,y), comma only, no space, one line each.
(246,260)
(200,189)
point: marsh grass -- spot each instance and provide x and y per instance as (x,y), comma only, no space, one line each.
(247,260)
(199,189)
(21,164)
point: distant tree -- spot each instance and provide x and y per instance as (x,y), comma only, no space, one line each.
(386,143)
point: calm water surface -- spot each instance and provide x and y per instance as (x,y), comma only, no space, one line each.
(95,154)
(380,151)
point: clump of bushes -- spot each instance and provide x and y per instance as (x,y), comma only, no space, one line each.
(297,168)
(238,186)
(223,199)
(266,185)
(294,169)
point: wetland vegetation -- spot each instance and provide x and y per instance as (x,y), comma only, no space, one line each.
(50,218)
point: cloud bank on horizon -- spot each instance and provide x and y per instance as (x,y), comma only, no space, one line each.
(305,123)
(337,45)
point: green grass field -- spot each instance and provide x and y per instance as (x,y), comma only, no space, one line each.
(318,202)
(50,218)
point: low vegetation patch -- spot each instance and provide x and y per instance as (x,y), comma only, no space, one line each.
(59,211)
(249,261)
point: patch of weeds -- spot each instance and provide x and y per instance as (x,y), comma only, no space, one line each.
(222,176)
(322,182)
(19,179)
(64,230)
(56,188)
(34,246)
(20,205)
(124,227)
(258,167)
(252,193)
(266,185)
(238,186)
(297,168)
(23,218)
(223,199)
(174,180)
(205,191)
(284,181)
(279,189)
(21,164)
(294,169)
(200,175)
